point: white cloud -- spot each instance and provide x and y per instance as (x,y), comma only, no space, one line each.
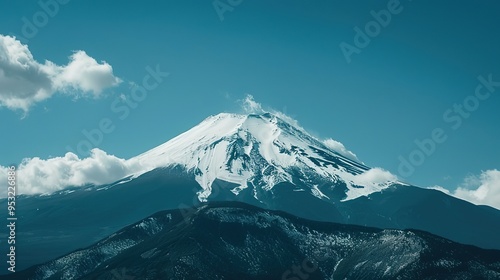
(250,106)
(441,189)
(481,190)
(25,81)
(85,74)
(374,177)
(340,148)
(36,176)
(373,180)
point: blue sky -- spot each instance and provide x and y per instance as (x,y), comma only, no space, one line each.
(287,54)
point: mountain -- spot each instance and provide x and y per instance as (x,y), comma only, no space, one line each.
(264,160)
(259,152)
(229,240)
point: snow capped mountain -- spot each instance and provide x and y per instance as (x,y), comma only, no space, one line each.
(265,160)
(260,151)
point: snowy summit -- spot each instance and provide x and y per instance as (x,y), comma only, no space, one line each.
(259,151)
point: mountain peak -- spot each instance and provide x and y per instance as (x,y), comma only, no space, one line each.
(260,151)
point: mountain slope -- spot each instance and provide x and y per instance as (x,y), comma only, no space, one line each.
(260,152)
(429,210)
(237,241)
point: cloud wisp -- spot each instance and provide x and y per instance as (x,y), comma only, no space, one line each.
(26,82)
(340,148)
(483,189)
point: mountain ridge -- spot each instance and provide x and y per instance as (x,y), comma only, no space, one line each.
(247,242)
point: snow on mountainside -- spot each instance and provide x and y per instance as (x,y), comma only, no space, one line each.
(261,151)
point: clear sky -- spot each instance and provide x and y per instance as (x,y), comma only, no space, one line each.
(396,85)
